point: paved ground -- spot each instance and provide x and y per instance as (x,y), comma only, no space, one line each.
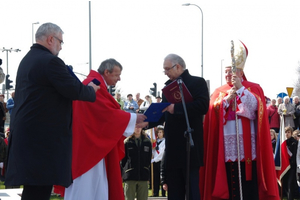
(10,194)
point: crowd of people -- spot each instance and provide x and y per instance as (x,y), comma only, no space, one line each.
(284,116)
(77,137)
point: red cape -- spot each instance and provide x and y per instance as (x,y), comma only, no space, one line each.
(98,133)
(213,178)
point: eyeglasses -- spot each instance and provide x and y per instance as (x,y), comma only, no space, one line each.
(61,42)
(167,70)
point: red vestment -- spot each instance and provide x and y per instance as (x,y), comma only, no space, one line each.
(98,134)
(213,177)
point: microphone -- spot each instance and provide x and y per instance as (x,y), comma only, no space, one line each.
(179,80)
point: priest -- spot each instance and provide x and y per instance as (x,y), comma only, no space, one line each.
(99,130)
(254,160)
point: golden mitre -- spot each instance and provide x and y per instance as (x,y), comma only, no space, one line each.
(240,54)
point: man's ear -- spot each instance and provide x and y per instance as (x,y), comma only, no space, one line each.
(106,72)
(49,40)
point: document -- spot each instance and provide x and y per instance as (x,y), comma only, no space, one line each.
(173,95)
(154,112)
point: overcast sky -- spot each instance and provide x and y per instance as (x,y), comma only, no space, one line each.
(139,34)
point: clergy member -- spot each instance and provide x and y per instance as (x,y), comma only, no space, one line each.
(99,130)
(219,178)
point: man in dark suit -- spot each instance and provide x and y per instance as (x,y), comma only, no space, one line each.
(175,127)
(40,143)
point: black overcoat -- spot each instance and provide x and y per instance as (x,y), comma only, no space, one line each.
(175,124)
(40,143)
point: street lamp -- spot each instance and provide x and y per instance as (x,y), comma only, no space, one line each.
(33,30)
(189,4)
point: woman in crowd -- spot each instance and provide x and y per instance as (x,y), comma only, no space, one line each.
(273,139)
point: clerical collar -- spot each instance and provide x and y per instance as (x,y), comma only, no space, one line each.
(104,80)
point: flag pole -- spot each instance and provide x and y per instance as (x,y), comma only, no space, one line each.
(152,184)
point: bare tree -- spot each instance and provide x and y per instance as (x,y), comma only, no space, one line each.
(296,90)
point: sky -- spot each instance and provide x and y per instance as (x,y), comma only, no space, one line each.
(141,33)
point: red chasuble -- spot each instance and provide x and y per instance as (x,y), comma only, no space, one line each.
(98,134)
(213,178)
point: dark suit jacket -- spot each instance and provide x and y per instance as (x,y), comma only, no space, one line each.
(40,144)
(175,124)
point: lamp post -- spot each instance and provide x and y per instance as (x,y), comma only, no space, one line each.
(33,31)
(189,4)
(8,50)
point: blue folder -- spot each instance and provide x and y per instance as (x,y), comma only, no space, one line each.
(154,112)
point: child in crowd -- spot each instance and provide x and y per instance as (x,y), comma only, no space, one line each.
(157,157)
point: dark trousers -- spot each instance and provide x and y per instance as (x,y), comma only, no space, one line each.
(249,188)
(176,179)
(36,192)
(289,183)
(156,180)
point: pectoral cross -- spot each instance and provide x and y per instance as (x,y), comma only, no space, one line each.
(248,161)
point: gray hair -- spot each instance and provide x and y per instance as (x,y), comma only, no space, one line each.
(295,97)
(47,29)
(175,59)
(109,64)
(286,97)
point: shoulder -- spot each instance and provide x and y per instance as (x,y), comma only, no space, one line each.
(249,84)
(126,140)
(146,139)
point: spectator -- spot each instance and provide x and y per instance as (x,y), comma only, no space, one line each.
(136,165)
(298,158)
(279,101)
(130,105)
(289,183)
(157,157)
(2,115)
(287,110)
(296,104)
(158,99)
(273,139)
(3,152)
(40,143)
(120,101)
(10,103)
(295,134)
(274,119)
(145,105)
(138,100)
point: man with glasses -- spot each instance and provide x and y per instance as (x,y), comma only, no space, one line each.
(175,127)
(40,143)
